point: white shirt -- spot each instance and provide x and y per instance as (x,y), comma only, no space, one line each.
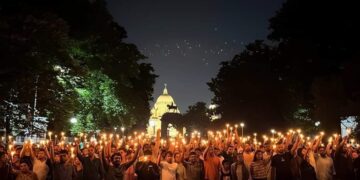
(40,169)
(324,167)
(168,171)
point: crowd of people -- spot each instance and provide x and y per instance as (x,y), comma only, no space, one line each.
(220,155)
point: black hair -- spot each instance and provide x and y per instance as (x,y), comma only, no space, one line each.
(113,156)
(257,151)
(192,153)
(169,152)
(63,151)
(27,162)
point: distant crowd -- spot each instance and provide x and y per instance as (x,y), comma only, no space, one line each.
(220,155)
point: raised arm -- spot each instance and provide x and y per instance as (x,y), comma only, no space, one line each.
(32,154)
(295,146)
(132,161)
(155,150)
(105,161)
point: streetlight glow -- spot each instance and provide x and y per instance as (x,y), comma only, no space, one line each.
(73,120)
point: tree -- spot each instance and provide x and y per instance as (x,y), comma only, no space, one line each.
(247,90)
(196,118)
(315,49)
(56,48)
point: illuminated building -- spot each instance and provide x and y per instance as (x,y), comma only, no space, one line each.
(164,103)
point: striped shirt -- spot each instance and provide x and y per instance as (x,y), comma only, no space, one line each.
(258,169)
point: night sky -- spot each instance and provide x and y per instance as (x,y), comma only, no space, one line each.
(185,40)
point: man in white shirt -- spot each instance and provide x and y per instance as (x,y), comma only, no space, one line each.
(168,168)
(324,165)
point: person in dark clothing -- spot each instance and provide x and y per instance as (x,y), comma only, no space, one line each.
(194,167)
(147,170)
(4,166)
(229,154)
(307,172)
(117,170)
(343,162)
(281,163)
(93,169)
(64,169)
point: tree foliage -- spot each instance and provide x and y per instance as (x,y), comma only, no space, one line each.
(83,67)
(306,75)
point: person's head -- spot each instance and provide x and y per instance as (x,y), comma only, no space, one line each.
(91,151)
(230,150)
(25,166)
(344,149)
(226,164)
(168,156)
(41,154)
(239,157)
(3,157)
(280,148)
(301,152)
(354,155)
(77,162)
(177,157)
(258,155)
(217,151)
(57,158)
(247,147)
(122,152)
(116,159)
(211,151)
(16,158)
(147,149)
(113,150)
(85,152)
(322,151)
(2,148)
(192,157)
(63,156)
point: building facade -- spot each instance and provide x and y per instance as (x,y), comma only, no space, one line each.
(164,103)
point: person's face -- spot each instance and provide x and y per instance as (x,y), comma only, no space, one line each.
(41,155)
(226,165)
(247,147)
(267,148)
(322,151)
(4,158)
(63,158)
(217,151)
(192,158)
(147,148)
(259,156)
(57,158)
(230,150)
(168,158)
(24,167)
(240,158)
(177,158)
(113,150)
(117,160)
(303,152)
(123,153)
(211,150)
(85,152)
(91,151)
(15,159)
(280,148)
(27,151)
(354,155)
(77,161)
(344,149)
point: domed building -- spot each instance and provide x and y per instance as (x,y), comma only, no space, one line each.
(164,103)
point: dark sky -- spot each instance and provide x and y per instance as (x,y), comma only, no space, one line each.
(185,40)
